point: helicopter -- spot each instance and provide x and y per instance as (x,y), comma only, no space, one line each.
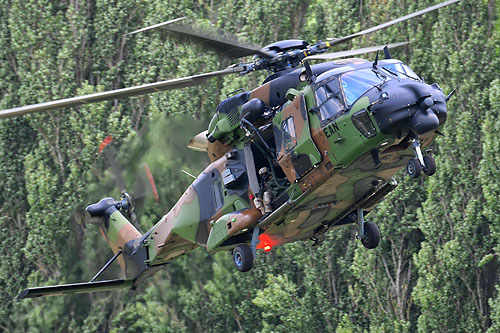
(312,149)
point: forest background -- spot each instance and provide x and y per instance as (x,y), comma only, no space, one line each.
(436,268)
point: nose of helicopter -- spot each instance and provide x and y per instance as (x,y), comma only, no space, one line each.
(409,106)
(424,120)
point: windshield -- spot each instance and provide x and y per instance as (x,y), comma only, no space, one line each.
(401,71)
(329,100)
(356,83)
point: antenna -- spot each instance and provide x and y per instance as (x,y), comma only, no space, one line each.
(187,173)
(376,61)
(309,73)
(387,53)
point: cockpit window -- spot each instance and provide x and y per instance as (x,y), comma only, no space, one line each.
(290,136)
(401,71)
(356,83)
(329,99)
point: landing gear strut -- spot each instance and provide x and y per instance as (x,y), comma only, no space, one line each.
(420,162)
(368,233)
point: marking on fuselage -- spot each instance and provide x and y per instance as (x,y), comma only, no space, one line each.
(331,129)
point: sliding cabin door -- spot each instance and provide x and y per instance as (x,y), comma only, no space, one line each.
(296,152)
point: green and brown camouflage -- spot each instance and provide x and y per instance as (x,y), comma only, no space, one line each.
(320,158)
(118,232)
(329,166)
(312,149)
(331,169)
(348,177)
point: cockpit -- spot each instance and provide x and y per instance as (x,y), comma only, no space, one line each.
(338,89)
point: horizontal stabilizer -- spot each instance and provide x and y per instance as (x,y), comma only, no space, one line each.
(75,288)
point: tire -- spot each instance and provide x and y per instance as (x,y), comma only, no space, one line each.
(372,236)
(430,165)
(243,258)
(414,168)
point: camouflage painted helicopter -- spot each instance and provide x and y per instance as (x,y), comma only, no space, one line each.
(312,149)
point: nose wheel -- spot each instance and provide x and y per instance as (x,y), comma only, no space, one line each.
(414,168)
(368,232)
(430,165)
(420,163)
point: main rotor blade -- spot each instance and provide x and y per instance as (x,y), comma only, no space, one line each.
(119,93)
(159,25)
(336,41)
(350,53)
(226,46)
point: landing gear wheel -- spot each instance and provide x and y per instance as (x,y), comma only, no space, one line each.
(414,168)
(372,235)
(430,165)
(243,258)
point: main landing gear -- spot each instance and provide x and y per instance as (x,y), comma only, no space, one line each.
(243,258)
(420,162)
(368,232)
(243,255)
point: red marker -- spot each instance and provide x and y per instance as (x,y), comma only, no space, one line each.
(151,181)
(105,142)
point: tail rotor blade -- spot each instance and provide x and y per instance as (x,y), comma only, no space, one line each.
(110,159)
(151,181)
(145,184)
(140,189)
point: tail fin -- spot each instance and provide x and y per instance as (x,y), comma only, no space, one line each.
(120,234)
(125,241)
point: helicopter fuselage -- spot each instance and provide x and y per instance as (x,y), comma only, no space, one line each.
(304,153)
(312,149)
(322,148)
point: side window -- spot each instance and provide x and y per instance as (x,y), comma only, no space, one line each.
(290,137)
(217,190)
(330,100)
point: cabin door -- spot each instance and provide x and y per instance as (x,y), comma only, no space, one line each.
(296,152)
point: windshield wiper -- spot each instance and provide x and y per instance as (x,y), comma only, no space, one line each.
(394,72)
(379,75)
